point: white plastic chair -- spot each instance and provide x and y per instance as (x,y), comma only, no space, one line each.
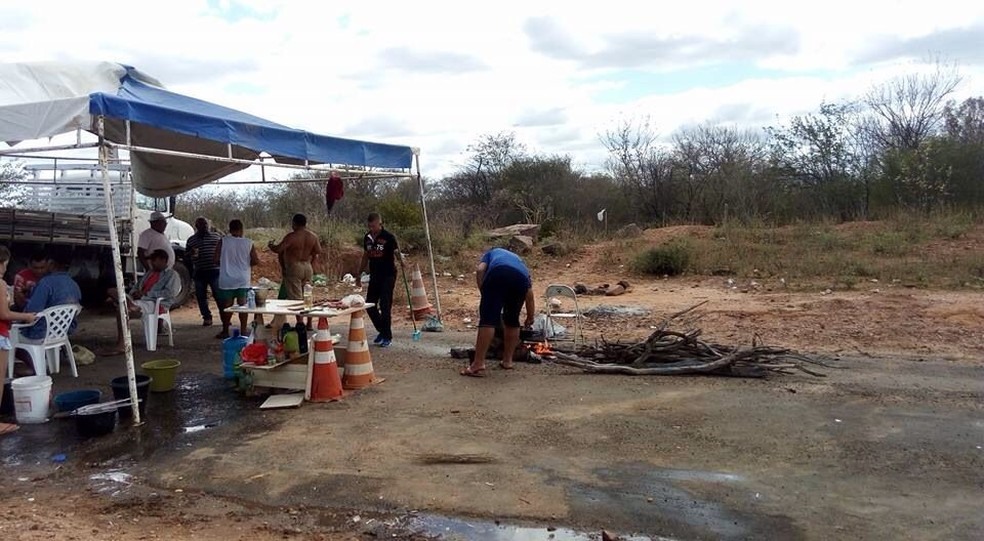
(47,351)
(561,290)
(150,317)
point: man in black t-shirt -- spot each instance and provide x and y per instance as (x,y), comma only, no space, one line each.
(380,253)
(201,253)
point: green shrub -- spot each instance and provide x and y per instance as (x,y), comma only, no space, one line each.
(670,259)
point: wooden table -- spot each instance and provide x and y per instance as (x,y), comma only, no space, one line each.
(289,374)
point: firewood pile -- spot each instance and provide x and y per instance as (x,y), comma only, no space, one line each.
(669,352)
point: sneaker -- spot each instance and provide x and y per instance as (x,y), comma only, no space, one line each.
(207,323)
(378,340)
(384,343)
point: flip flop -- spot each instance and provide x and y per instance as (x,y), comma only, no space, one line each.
(509,366)
(7,428)
(467,371)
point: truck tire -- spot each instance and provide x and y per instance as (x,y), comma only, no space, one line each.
(187,286)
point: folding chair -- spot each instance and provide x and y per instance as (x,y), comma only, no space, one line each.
(561,290)
(45,353)
(151,314)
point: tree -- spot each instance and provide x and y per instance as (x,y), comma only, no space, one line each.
(11,171)
(821,156)
(641,168)
(909,109)
(723,168)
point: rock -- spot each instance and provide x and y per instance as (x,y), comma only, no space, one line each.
(580,288)
(615,291)
(526,230)
(606,536)
(556,248)
(521,244)
(624,284)
(629,231)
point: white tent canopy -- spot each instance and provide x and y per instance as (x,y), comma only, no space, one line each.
(175,142)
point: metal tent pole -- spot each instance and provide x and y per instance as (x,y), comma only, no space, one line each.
(427,233)
(114,241)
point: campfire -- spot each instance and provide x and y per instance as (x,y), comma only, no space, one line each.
(542,349)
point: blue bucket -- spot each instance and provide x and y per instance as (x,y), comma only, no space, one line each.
(74,400)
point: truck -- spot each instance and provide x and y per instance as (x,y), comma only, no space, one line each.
(61,207)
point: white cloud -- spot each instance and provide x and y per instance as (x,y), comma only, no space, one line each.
(438,75)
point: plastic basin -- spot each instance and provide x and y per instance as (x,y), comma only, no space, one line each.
(73,400)
(163,373)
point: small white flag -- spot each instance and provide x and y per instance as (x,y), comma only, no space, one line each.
(601,215)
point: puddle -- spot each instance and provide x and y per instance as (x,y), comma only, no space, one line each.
(450,528)
(174,419)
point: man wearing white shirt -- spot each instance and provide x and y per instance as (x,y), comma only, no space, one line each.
(154,239)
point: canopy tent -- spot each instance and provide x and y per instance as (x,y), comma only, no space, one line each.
(175,142)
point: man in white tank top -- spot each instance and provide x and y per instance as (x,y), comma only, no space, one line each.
(235,256)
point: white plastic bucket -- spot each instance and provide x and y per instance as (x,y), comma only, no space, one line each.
(32,396)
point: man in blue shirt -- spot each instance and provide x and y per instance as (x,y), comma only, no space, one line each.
(505,284)
(54,288)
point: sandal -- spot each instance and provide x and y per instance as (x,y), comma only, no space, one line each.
(476,373)
(7,428)
(509,366)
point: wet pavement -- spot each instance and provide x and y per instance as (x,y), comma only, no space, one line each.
(201,402)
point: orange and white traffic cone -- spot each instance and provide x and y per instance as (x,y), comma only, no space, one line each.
(325,383)
(419,304)
(358,362)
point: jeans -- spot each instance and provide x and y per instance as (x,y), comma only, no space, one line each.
(204,280)
(380,293)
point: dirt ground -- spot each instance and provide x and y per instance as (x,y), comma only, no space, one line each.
(887,446)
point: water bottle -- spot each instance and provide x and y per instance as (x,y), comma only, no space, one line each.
(251,299)
(308,296)
(231,349)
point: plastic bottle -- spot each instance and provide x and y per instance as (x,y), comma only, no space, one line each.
(231,349)
(308,295)
(251,299)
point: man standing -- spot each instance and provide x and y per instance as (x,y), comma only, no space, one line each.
(505,284)
(27,278)
(235,257)
(201,249)
(154,239)
(301,251)
(380,252)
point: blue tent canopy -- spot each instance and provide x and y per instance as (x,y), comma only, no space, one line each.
(153,106)
(174,140)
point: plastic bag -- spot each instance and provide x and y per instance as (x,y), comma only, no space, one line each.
(549,329)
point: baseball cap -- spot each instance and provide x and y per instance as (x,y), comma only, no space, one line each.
(155,216)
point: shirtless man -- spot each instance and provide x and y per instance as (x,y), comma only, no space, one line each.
(301,252)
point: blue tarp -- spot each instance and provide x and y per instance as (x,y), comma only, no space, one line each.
(158,108)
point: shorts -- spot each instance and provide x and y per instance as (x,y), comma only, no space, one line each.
(4,343)
(239,294)
(295,276)
(503,295)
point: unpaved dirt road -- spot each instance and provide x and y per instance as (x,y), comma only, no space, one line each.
(887,446)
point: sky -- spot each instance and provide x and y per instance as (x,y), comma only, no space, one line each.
(440,75)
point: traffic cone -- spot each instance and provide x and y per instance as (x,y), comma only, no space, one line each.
(419,304)
(326,384)
(358,362)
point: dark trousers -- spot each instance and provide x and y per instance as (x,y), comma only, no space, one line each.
(204,280)
(380,293)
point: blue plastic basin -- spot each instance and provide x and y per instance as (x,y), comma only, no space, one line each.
(74,400)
